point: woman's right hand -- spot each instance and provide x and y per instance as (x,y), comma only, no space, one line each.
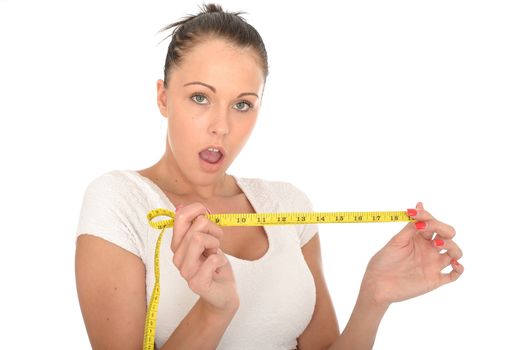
(200,261)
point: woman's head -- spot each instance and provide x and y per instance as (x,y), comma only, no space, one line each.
(212,22)
(215,73)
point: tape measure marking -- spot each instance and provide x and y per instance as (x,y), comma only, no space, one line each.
(252,219)
(293,218)
(151,316)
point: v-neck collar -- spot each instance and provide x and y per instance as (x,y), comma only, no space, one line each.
(248,194)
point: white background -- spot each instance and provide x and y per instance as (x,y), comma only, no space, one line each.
(370,105)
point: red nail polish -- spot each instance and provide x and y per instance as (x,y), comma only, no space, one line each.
(438,242)
(454,262)
(420,225)
(411,212)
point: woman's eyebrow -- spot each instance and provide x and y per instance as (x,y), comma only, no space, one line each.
(200,83)
(214,89)
(247,93)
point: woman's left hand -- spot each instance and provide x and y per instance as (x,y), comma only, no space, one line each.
(410,264)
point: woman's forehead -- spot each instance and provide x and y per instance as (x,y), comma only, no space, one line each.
(218,62)
(220,51)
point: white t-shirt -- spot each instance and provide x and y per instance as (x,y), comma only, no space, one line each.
(277,292)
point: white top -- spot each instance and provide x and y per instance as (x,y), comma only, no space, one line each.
(277,292)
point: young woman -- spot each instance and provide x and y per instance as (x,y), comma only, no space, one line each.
(229,287)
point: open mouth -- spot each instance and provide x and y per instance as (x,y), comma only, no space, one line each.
(211,155)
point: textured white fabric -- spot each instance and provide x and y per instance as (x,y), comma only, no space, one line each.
(277,292)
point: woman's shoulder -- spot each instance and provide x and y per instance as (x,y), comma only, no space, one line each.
(264,184)
(114,209)
(113,183)
(115,192)
(115,176)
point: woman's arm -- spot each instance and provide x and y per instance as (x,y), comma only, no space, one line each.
(323,330)
(111,291)
(410,264)
(112,296)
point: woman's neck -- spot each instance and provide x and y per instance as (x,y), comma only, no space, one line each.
(168,176)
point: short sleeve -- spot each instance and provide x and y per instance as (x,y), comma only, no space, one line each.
(302,203)
(105,212)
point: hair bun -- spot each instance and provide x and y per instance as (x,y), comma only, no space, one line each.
(211,8)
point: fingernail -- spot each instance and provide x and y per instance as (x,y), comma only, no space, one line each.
(411,212)
(420,225)
(438,242)
(208,210)
(454,262)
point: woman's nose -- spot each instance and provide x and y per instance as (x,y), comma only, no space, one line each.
(219,123)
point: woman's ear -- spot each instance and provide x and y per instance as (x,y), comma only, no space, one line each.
(161,97)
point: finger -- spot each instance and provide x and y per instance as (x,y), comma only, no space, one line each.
(428,228)
(444,261)
(203,279)
(201,224)
(183,220)
(194,255)
(454,274)
(452,249)
(419,213)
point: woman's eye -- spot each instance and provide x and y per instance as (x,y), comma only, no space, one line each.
(243,106)
(201,99)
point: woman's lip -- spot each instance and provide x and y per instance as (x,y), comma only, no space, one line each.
(221,149)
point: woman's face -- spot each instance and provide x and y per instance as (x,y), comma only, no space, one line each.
(212,100)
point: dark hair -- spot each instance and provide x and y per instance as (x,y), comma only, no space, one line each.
(212,21)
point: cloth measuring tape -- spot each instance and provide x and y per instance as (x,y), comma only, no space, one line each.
(252,219)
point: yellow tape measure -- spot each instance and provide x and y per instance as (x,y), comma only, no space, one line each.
(253,219)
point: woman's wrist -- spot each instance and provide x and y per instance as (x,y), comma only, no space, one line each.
(214,316)
(372,296)
(367,303)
